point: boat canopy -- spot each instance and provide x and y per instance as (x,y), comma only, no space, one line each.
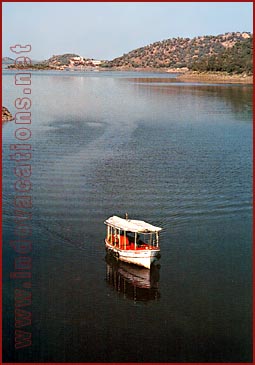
(131,225)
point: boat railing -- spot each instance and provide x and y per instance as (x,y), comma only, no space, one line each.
(125,242)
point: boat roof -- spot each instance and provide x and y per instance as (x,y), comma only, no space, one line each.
(131,225)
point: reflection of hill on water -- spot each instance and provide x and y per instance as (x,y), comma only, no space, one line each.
(133,282)
(237,96)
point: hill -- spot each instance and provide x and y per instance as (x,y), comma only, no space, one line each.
(60,60)
(70,60)
(230,52)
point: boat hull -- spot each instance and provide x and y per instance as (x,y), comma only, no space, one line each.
(142,258)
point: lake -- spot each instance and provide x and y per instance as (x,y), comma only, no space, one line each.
(178,155)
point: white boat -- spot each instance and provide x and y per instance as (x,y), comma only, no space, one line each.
(132,241)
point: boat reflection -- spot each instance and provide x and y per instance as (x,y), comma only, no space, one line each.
(133,282)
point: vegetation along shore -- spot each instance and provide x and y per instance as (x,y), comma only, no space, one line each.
(216,77)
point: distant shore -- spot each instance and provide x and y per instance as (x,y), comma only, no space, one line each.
(195,76)
(215,77)
(183,76)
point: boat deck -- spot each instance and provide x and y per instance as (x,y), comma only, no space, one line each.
(126,244)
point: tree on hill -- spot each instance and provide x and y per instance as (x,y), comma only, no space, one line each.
(237,59)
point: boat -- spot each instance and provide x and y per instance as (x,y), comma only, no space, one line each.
(132,241)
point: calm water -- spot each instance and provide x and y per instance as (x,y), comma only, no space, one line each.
(177,155)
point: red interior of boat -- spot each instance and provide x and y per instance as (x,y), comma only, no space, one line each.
(126,244)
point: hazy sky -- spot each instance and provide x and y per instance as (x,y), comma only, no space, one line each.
(107,30)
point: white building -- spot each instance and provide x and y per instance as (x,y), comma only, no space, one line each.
(96,63)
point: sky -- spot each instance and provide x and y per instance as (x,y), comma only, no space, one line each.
(108,30)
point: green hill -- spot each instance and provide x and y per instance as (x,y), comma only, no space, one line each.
(231,52)
(237,59)
(60,60)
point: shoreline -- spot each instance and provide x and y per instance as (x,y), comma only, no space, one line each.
(215,77)
(183,76)
(196,76)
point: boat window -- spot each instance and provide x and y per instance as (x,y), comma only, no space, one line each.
(131,235)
